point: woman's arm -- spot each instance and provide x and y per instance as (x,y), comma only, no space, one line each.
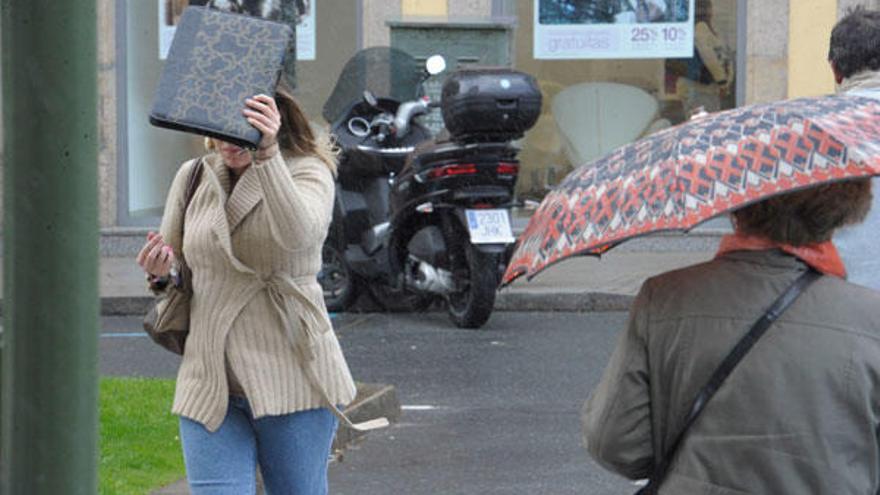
(616,419)
(298,198)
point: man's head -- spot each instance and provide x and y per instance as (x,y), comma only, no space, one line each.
(855,44)
(807,216)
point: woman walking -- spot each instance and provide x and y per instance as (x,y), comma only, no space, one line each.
(262,366)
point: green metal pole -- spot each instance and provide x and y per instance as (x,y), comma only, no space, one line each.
(49,375)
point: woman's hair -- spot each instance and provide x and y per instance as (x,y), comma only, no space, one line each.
(296,134)
(807,216)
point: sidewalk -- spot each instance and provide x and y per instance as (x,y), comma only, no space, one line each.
(578,284)
(609,283)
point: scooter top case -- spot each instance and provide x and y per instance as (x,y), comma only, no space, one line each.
(490,104)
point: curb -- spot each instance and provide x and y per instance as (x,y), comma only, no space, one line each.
(571,301)
(373,400)
(126,242)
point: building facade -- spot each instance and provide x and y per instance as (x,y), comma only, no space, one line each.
(767,50)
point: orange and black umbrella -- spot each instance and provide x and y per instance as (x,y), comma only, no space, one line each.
(682,176)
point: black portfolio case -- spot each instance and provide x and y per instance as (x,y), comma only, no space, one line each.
(490,104)
(217,60)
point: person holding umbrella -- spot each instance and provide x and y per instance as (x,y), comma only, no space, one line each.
(800,413)
(799,410)
(854,55)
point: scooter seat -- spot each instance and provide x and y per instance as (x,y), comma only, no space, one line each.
(432,152)
(435,152)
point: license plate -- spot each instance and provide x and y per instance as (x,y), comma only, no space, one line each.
(489,226)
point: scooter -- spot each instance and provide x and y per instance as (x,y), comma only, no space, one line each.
(418,219)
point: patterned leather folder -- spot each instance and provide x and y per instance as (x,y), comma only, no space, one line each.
(216,61)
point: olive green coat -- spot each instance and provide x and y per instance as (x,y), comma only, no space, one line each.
(800,413)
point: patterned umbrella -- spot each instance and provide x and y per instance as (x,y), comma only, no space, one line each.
(682,176)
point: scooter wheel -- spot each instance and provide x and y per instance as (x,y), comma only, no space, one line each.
(473,305)
(339,283)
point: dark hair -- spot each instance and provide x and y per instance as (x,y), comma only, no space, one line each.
(855,42)
(807,216)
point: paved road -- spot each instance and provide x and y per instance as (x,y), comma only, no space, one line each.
(493,411)
(125,350)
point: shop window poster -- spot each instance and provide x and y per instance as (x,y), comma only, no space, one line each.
(300,13)
(605,29)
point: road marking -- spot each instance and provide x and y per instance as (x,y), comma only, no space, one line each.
(418,408)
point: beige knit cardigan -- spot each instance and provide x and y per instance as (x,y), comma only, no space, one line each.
(255,255)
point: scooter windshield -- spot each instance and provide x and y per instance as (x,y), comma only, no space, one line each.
(387,72)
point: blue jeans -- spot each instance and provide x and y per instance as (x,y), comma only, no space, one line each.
(292,451)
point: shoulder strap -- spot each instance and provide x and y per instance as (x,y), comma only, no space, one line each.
(195,176)
(192,183)
(724,369)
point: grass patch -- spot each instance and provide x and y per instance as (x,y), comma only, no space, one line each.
(140,446)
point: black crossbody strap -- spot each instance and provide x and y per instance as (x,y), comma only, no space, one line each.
(724,369)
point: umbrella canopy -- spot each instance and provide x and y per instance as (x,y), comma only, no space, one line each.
(682,176)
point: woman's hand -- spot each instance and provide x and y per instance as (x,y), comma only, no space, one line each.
(262,113)
(156,257)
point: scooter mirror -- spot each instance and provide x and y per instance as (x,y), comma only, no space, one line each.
(435,64)
(370,98)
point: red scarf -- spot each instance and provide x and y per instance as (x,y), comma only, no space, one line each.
(822,256)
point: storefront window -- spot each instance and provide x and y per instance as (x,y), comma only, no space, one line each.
(613,71)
